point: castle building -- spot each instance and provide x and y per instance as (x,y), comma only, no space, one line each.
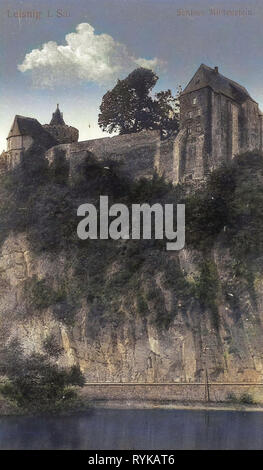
(218,120)
(23,133)
(26,131)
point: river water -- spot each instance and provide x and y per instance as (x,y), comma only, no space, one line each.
(152,429)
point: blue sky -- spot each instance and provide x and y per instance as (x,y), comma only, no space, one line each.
(116,36)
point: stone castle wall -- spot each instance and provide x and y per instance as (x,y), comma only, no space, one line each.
(138,155)
(195,146)
(250,124)
(221,129)
(120,394)
(15,148)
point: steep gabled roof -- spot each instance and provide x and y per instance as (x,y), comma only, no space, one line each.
(207,77)
(23,125)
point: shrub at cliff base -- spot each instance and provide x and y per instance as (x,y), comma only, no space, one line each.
(36,384)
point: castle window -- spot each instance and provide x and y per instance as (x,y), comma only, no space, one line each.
(198,128)
(194,100)
(198,112)
(190,114)
(189,130)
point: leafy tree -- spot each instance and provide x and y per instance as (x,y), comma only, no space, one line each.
(129,106)
(167,112)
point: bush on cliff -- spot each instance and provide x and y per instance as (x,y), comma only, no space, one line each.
(40,203)
(231,203)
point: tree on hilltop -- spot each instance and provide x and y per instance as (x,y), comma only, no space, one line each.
(129,106)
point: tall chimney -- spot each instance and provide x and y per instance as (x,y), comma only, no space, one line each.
(216,69)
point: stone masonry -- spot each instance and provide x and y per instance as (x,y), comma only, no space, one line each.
(218,120)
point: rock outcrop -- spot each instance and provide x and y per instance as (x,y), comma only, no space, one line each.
(128,310)
(131,346)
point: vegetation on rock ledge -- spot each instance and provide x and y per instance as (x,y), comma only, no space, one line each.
(116,277)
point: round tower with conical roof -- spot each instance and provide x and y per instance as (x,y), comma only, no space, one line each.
(59,130)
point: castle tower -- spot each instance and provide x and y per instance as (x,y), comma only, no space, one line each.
(218,120)
(59,130)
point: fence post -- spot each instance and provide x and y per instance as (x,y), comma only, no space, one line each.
(207,391)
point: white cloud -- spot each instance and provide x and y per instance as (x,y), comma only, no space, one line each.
(85,57)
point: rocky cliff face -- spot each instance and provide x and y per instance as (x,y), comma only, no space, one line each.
(128,310)
(132,345)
